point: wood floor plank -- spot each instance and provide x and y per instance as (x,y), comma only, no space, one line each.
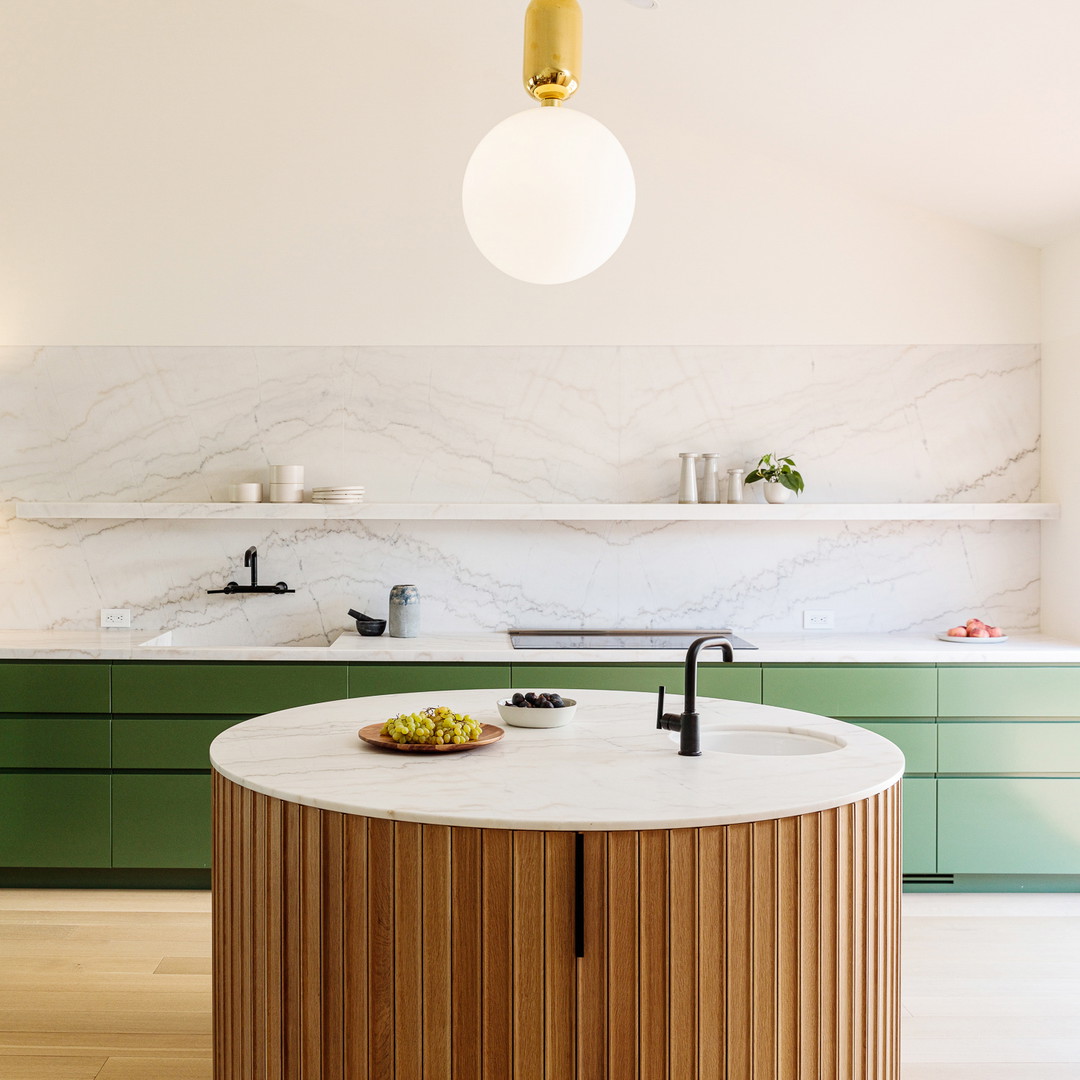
(52,1068)
(183,965)
(129,1068)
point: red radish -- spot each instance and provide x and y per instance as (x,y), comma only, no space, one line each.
(995,631)
(957,631)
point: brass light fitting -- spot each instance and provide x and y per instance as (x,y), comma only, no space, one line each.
(552,58)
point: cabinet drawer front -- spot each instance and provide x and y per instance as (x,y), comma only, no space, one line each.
(161,820)
(54,687)
(917,740)
(166,742)
(920,825)
(855,690)
(241,689)
(54,819)
(1009,826)
(732,681)
(366,680)
(54,742)
(1009,691)
(1029,746)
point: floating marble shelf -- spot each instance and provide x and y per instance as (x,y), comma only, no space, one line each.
(543,511)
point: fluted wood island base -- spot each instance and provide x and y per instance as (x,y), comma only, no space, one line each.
(349,947)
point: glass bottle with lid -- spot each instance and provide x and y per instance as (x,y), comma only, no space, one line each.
(688,492)
(735,485)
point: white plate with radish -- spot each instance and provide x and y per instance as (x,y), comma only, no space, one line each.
(974,632)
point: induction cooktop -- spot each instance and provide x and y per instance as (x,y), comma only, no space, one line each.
(617,639)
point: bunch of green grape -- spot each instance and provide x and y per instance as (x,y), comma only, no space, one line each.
(436,726)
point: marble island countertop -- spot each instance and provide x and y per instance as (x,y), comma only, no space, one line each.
(809,647)
(608,769)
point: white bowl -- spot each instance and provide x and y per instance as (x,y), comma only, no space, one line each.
(516,716)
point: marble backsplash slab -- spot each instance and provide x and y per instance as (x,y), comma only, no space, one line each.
(873,424)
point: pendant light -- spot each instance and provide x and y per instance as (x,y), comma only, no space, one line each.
(548,194)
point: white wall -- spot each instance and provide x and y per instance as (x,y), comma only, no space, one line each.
(1060,413)
(285,173)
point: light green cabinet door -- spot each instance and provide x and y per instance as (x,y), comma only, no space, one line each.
(920,825)
(1008,826)
(853,690)
(737,682)
(1009,691)
(917,740)
(161,820)
(54,819)
(1026,746)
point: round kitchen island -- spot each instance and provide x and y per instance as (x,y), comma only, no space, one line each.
(577,902)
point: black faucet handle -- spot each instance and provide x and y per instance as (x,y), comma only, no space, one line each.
(660,711)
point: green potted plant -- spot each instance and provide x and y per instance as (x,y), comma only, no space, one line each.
(780,476)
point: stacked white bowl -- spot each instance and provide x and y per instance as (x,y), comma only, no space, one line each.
(353,494)
(286,483)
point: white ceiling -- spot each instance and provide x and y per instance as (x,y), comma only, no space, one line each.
(970,108)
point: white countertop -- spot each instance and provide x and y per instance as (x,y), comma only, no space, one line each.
(810,647)
(608,769)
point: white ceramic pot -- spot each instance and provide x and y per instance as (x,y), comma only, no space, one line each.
(775,492)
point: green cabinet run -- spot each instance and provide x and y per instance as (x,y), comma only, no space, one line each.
(54,742)
(1003,690)
(920,823)
(367,680)
(1001,746)
(990,825)
(917,739)
(161,820)
(854,690)
(54,819)
(54,686)
(736,681)
(166,742)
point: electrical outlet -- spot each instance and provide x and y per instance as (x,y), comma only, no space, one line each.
(115,617)
(817,620)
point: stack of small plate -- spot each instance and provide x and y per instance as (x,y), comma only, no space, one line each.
(337,494)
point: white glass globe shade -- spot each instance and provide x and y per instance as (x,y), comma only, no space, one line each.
(548,195)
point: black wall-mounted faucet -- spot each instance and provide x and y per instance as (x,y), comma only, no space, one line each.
(251,559)
(686,722)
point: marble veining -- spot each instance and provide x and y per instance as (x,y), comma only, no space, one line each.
(608,769)
(515,425)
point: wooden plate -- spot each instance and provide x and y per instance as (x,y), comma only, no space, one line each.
(489,733)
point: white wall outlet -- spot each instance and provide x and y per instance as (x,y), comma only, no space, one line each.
(115,617)
(817,620)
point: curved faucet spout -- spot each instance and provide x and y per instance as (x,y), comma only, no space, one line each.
(251,558)
(686,722)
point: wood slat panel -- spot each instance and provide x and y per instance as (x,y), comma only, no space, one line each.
(467,950)
(408,950)
(310,933)
(787,947)
(683,952)
(528,992)
(712,915)
(560,961)
(763,949)
(738,947)
(293,943)
(809,915)
(845,945)
(275,938)
(622,950)
(333,976)
(439,917)
(245,990)
(592,984)
(498,960)
(828,1014)
(258,932)
(654,921)
(355,947)
(380,948)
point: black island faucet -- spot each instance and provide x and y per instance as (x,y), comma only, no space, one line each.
(251,559)
(686,722)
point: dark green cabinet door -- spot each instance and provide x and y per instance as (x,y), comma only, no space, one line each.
(247,689)
(54,819)
(366,680)
(54,686)
(161,820)
(166,742)
(735,681)
(854,690)
(54,742)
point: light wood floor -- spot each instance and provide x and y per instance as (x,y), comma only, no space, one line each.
(116,986)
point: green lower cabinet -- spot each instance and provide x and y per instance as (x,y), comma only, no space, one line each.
(917,740)
(920,823)
(54,819)
(366,680)
(1001,746)
(1000,690)
(54,686)
(54,742)
(735,681)
(160,820)
(1018,825)
(166,742)
(855,690)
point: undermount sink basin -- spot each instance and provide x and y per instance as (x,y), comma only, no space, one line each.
(763,742)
